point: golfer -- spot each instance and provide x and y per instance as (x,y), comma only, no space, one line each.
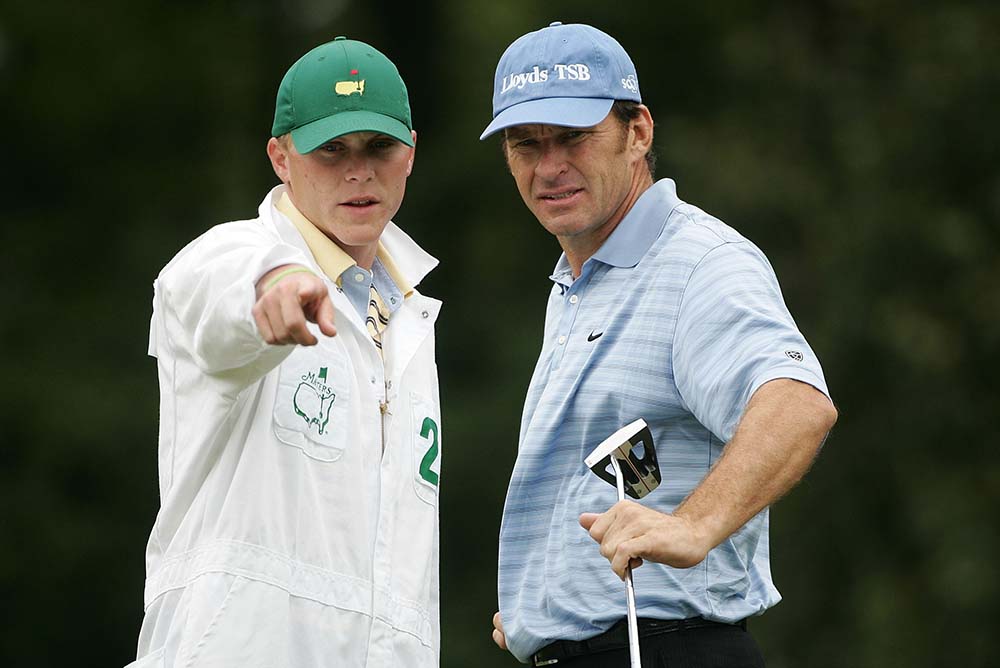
(658,311)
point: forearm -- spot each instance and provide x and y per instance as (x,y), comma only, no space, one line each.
(209,290)
(775,443)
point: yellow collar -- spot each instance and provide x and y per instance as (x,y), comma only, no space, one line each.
(330,257)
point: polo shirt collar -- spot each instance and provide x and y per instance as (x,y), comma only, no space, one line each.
(634,235)
(641,226)
(330,257)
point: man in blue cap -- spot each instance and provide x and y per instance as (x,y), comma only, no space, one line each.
(658,311)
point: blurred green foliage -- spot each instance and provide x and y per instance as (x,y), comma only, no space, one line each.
(856,142)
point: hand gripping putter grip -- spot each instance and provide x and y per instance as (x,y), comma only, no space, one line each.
(635,475)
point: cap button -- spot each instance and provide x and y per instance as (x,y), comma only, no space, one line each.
(338,38)
(555,23)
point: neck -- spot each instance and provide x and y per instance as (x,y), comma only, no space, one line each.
(364,256)
(580,248)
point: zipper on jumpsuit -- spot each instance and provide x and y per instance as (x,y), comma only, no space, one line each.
(383,406)
(384,414)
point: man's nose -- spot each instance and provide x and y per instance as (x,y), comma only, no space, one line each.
(359,169)
(551,162)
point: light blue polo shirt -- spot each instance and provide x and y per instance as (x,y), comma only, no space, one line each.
(676,319)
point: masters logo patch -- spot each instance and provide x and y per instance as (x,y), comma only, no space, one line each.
(350,87)
(313,398)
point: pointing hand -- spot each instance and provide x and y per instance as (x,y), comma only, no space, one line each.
(286,300)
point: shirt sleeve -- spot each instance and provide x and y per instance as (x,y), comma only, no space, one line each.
(208,290)
(734,333)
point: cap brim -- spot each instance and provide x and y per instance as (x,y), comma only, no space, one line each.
(570,112)
(311,136)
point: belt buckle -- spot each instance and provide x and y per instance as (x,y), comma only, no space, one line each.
(544,662)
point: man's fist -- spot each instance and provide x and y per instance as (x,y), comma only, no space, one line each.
(629,533)
(498,635)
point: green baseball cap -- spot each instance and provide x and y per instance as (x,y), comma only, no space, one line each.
(341,87)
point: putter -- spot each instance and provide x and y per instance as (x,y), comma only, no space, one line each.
(636,476)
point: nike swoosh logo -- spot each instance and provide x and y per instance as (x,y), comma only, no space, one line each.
(593,337)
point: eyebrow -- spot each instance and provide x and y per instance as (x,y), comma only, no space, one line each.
(514,133)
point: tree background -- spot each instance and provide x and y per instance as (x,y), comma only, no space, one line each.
(855,141)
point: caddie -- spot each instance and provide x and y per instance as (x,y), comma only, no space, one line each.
(300,430)
(659,311)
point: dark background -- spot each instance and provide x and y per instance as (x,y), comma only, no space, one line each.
(855,141)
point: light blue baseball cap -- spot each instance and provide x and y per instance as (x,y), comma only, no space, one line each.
(566,75)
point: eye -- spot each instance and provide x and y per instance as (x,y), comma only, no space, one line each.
(382,143)
(332,147)
(522,144)
(573,135)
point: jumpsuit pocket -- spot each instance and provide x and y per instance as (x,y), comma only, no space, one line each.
(425,437)
(311,404)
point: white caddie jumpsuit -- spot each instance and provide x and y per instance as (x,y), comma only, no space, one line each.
(299,522)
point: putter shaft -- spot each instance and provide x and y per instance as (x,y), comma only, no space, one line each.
(633,624)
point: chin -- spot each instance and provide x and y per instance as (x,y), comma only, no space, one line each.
(358,236)
(564,228)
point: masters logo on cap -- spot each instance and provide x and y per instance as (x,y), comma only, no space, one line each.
(341,87)
(566,75)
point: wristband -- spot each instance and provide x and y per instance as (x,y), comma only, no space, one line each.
(282,274)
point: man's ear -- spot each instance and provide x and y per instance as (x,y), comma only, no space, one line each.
(642,131)
(413,153)
(278,155)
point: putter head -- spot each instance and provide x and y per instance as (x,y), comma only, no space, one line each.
(641,473)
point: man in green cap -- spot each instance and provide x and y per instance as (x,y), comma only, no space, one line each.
(299,458)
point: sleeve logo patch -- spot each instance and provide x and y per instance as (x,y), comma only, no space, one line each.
(794,354)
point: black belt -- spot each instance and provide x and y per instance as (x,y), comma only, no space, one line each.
(617,638)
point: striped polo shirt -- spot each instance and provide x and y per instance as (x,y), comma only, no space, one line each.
(676,319)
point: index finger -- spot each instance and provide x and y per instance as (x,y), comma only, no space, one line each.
(324,317)
(295,321)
